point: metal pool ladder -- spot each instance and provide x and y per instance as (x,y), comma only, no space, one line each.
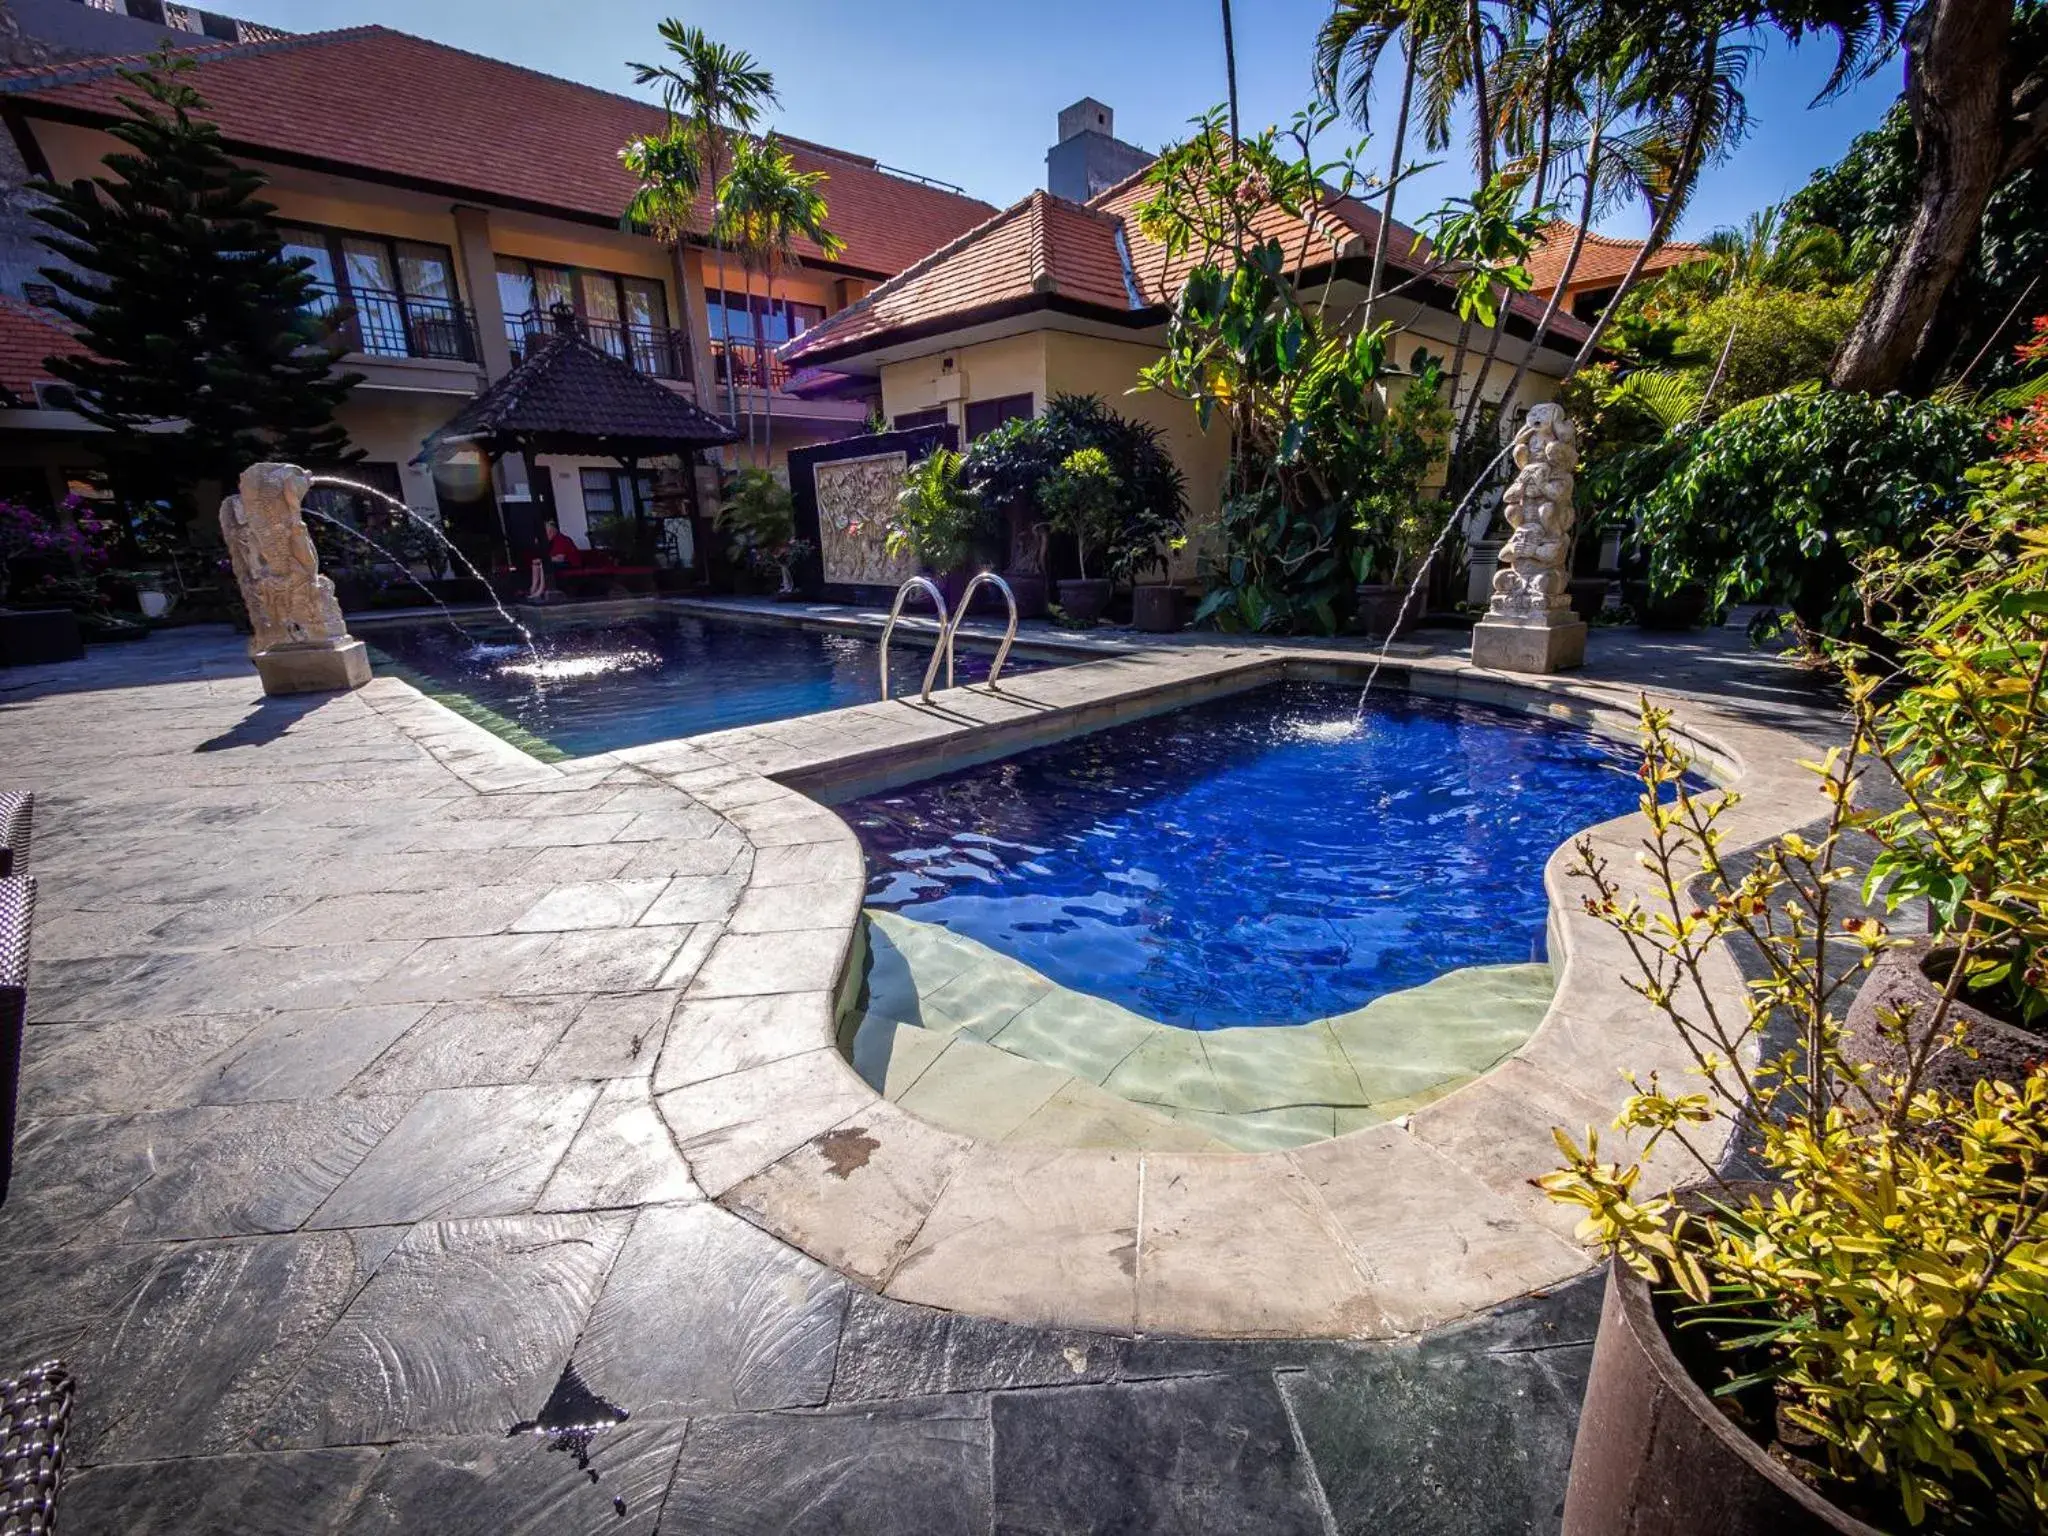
(920,584)
(960,614)
(948,628)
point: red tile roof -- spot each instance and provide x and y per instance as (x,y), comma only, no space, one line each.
(27,336)
(382,103)
(1043,245)
(1602,260)
(1093,255)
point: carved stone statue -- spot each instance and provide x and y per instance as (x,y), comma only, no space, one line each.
(301,644)
(1529,625)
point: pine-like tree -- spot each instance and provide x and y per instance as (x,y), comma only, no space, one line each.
(189,309)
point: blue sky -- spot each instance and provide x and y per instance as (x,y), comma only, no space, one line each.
(968,92)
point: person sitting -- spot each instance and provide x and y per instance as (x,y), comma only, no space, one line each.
(555,556)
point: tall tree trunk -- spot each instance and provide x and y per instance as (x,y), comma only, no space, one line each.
(1571,263)
(1957,94)
(1386,229)
(1674,199)
(1507,298)
(1230,75)
(768,383)
(1482,117)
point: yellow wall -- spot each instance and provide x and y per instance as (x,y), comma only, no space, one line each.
(1094,365)
(987,370)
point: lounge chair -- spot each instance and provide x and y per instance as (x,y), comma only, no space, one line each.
(16,808)
(17,911)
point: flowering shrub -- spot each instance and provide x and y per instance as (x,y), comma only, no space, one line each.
(1881,1312)
(2026,434)
(58,546)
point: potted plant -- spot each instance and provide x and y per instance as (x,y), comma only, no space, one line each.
(1862,1343)
(939,518)
(44,558)
(1080,499)
(759,519)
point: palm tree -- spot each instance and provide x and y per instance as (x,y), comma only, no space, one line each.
(711,93)
(1768,251)
(767,205)
(1692,57)
(1349,48)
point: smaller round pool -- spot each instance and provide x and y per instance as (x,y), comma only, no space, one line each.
(1258,859)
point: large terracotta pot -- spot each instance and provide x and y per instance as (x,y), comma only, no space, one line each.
(1674,610)
(1156,608)
(1656,1457)
(1379,608)
(1085,601)
(1900,979)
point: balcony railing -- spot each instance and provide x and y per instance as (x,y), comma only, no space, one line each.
(384,324)
(654,350)
(750,364)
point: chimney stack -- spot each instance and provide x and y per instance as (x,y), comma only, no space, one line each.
(1089,157)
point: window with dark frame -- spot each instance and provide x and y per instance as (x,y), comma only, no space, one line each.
(984,416)
(911,420)
(611,498)
(402,293)
(625,316)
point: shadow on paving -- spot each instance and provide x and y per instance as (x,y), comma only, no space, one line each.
(929,1422)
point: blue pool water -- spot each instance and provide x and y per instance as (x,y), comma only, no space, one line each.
(622,682)
(1250,860)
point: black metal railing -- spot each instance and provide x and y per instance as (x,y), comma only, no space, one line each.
(749,364)
(385,324)
(655,350)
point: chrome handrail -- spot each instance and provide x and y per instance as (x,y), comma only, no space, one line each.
(917,583)
(960,614)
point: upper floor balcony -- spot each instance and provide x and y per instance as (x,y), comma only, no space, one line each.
(384,324)
(659,351)
(747,364)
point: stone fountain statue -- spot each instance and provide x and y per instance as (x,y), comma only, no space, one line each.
(301,644)
(1530,626)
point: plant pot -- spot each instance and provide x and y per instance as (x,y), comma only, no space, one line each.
(1589,596)
(154,605)
(1379,609)
(1900,979)
(1479,573)
(1656,1457)
(1156,608)
(1085,601)
(1029,590)
(33,636)
(1682,609)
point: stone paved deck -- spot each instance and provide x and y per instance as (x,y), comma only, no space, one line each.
(339,1149)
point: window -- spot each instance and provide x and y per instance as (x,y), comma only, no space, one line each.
(611,500)
(984,416)
(626,316)
(910,420)
(402,292)
(750,317)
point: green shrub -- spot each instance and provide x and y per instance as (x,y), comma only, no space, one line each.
(1010,465)
(1776,501)
(1081,498)
(939,516)
(1779,339)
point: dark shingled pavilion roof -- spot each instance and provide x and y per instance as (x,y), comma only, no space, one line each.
(571,397)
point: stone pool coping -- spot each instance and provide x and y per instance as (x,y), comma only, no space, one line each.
(1380,1232)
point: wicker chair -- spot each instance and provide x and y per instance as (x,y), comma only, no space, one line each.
(17,910)
(16,809)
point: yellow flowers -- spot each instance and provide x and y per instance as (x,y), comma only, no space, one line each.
(1892,1284)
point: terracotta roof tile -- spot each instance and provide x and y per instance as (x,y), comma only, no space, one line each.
(1043,245)
(1096,254)
(27,336)
(384,102)
(1603,258)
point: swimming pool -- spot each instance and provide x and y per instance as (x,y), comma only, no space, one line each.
(1253,860)
(611,682)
